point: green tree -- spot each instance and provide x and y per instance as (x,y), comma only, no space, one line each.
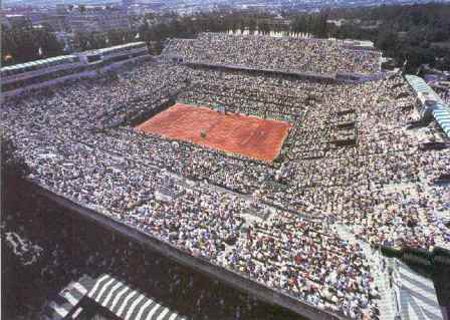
(252,25)
(24,44)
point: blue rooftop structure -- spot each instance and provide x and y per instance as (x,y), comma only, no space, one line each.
(439,110)
(442,117)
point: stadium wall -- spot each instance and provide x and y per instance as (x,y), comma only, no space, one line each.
(302,76)
(72,77)
(237,281)
(144,116)
(76,76)
(339,77)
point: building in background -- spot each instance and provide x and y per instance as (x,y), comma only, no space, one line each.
(17,20)
(87,18)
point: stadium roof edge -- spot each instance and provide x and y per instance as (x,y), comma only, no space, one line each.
(37,62)
(441,111)
(62,57)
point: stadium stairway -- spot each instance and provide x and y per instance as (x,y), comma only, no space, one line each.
(442,215)
(404,294)
(387,302)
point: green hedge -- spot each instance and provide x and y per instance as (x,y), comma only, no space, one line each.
(415,260)
(391,252)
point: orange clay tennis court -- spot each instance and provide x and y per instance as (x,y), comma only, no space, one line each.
(233,133)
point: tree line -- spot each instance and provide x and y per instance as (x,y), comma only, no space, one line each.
(416,33)
(22,44)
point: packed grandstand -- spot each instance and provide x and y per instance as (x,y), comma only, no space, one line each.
(288,54)
(351,163)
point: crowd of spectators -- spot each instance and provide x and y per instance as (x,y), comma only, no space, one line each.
(445,95)
(349,159)
(53,246)
(298,55)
